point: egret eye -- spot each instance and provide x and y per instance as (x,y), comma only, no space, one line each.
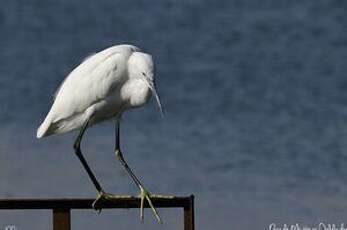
(144,74)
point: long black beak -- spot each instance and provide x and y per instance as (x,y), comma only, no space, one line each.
(152,86)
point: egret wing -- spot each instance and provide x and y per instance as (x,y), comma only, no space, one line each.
(89,83)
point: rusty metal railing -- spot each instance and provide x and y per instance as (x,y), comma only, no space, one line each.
(62,207)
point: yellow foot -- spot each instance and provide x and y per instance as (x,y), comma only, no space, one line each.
(105,196)
(162,196)
(145,194)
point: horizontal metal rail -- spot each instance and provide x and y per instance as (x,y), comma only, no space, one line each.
(61,207)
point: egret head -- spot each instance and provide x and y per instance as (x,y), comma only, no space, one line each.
(141,66)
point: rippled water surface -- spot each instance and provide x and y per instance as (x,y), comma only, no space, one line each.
(255,95)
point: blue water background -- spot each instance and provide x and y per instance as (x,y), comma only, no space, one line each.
(255,99)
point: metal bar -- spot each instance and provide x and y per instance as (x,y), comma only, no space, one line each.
(189,215)
(68,203)
(61,207)
(61,219)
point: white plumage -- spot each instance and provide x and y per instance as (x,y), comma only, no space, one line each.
(101,87)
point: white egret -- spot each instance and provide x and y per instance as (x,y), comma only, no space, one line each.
(102,87)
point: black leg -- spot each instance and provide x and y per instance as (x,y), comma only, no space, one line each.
(120,157)
(144,194)
(77,147)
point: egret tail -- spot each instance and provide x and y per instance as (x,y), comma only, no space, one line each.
(43,129)
(50,126)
